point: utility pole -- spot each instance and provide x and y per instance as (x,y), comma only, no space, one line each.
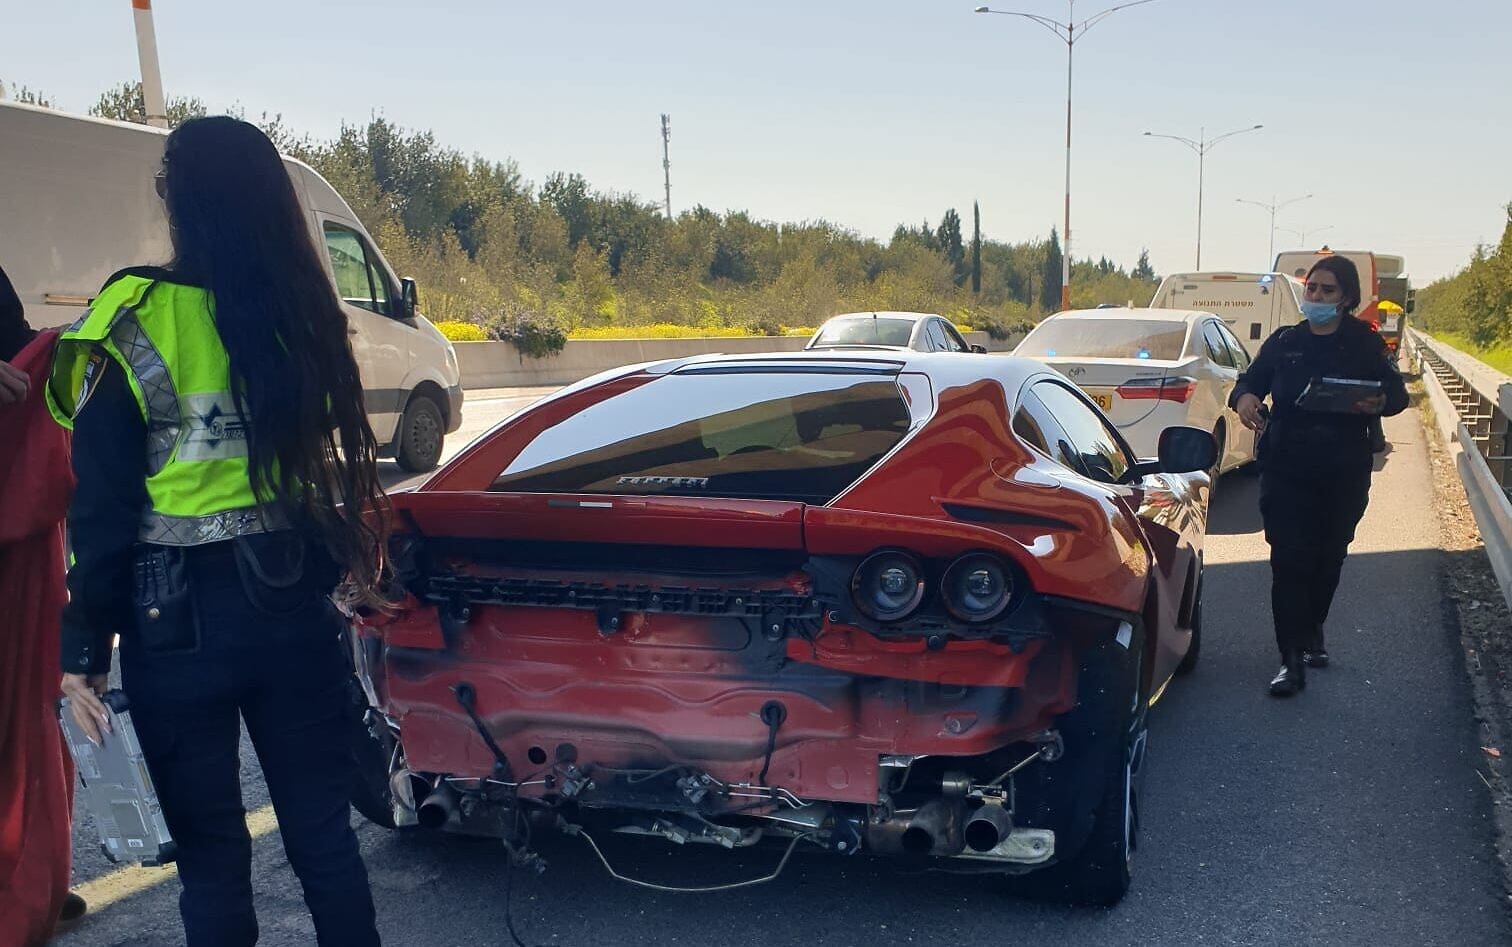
(152,76)
(666,159)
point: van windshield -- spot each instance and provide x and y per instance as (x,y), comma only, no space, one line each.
(1105,338)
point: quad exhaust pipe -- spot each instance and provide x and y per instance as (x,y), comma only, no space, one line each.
(439,807)
(933,823)
(942,827)
(987,828)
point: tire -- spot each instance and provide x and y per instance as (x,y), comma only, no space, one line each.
(422,431)
(370,782)
(1100,871)
(1194,650)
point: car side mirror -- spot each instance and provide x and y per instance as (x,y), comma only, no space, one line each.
(1182,450)
(1186,450)
(979,349)
(409,298)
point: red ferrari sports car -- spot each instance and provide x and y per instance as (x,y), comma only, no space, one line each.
(910,603)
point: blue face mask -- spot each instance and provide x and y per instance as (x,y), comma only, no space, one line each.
(1320,314)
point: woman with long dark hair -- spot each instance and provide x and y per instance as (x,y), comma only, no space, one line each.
(1315,457)
(225,466)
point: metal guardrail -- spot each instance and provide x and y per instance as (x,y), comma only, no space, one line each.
(1472,404)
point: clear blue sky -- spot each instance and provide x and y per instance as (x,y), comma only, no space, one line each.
(1394,114)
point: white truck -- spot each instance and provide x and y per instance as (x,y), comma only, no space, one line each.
(1252,305)
(77,203)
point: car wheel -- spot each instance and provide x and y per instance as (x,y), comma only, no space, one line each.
(1100,871)
(422,430)
(1194,650)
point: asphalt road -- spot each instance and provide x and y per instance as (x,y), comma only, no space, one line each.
(1352,814)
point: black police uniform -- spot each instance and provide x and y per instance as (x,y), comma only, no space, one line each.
(1315,467)
(237,636)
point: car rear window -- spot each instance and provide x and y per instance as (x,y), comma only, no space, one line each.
(1105,338)
(881,330)
(776,435)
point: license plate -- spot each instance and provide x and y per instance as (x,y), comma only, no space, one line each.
(1104,401)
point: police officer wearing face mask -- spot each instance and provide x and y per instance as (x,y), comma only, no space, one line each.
(1315,464)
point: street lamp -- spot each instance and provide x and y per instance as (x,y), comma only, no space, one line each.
(1068,32)
(1272,207)
(1302,235)
(1202,146)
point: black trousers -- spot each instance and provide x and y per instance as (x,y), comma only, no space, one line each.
(1309,522)
(285,675)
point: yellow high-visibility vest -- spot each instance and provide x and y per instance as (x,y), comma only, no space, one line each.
(163,336)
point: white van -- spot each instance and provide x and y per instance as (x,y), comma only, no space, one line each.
(77,203)
(1252,305)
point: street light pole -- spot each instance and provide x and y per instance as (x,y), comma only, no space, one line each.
(1272,207)
(1302,235)
(1068,33)
(1202,146)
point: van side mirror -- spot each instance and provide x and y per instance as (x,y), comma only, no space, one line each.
(979,349)
(409,298)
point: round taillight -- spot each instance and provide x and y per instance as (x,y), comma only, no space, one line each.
(977,587)
(888,586)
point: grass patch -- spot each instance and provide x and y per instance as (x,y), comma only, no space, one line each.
(461,331)
(1499,358)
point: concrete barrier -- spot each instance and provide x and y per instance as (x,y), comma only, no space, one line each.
(501,365)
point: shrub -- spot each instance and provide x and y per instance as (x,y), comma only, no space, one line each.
(1002,327)
(534,334)
(764,325)
(461,331)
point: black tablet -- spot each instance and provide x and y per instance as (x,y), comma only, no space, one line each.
(1338,395)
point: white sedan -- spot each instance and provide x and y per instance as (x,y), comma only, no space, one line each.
(1149,369)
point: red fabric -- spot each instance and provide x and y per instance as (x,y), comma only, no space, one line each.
(36,773)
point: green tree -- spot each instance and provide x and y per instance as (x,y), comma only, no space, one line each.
(1050,275)
(568,195)
(29,96)
(1143,270)
(948,237)
(976,249)
(125,103)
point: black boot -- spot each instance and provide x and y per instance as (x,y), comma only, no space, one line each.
(71,913)
(1291,678)
(1315,655)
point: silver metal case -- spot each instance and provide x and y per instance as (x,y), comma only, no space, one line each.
(118,788)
